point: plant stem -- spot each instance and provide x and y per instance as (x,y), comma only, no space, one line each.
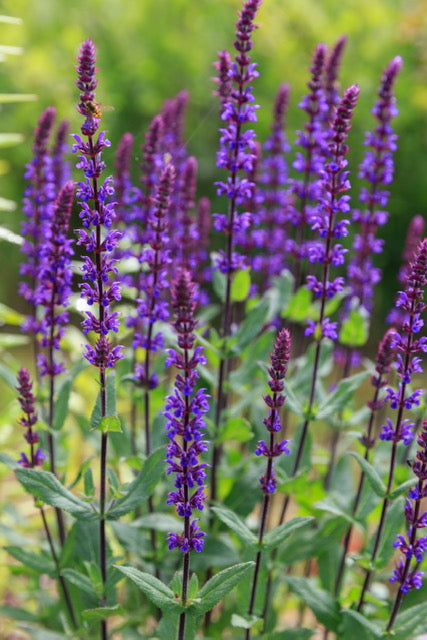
(61,580)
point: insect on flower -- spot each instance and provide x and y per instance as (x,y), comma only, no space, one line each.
(94,108)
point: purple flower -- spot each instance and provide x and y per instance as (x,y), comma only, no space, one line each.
(39,197)
(377,170)
(184,411)
(309,161)
(153,282)
(412,546)
(54,281)
(332,66)
(406,345)
(272,202)
(277,372)
(408,581)
(237,144)
(97,215)
(27,401)
(334,182)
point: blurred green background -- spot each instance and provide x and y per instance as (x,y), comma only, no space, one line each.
(151,49)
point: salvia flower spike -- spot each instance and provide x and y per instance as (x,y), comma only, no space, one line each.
(383,365)
(152,306)
(236,155)
(312,141)
(185,408)
(99,240)
(271,449)
(412,546)
(38,208)
(27,401)
(377,171)
(407,345)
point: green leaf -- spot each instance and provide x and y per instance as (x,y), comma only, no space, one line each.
(237,429)
(292,402)
(142,487)
(240,286)
(61,405)
(355,625)
(110,390)
(393,524)
(219,585)
(8,205)
(155,590)
(299,308)
(250,327)
(243,622)
(11,340)
(354,328)
(219,284)
(235,523)
(39,562)
(45,486)
(63,395)
(101,613)
(278,535)
(404,488)
(8,376)
(324,607)
(329,505)
(9,461)
(81,581)
(373,478)
(109,423)
(41,633)
(158,522)
(17,614)
(341,396)
(409,622)
(10,316)
(10,236)
(10,139)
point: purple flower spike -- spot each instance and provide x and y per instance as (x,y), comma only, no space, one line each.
(406,345)
(97,215)
(414,236)
(274,401)
(325,219)
(237,144)
(152,305)
(185,408)
(60,168)
(332,67)
(377,170)
(273,203)
(309,161)
(412,546)
(54,282)
(27,401)
(38,208)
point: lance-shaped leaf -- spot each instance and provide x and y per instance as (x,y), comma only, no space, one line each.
(373,478)
(323,605)
(155,590)
(217,587)
(142,487)
(278,535)
(342,395)
(235,523)
(45,486)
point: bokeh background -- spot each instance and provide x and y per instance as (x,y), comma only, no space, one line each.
(150,50)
